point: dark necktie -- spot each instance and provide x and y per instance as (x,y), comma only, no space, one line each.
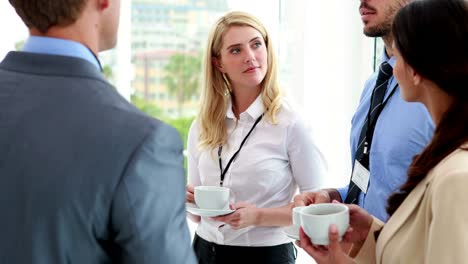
(367,131)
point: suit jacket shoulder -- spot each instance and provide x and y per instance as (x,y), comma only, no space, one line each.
(428,227)
(76,161)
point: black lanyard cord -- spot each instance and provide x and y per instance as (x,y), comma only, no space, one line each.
(372,123)
(220,150)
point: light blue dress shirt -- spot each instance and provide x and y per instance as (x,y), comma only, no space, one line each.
(403,129)
(62,47)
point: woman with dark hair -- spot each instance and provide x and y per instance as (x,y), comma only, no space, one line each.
(429,216)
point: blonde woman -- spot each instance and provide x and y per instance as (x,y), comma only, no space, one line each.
(242,111)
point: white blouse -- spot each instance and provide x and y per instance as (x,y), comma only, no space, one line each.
(274,161)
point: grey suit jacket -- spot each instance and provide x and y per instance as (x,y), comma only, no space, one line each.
(85,177)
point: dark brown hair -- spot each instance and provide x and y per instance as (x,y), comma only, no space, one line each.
(43,14)
(432,37)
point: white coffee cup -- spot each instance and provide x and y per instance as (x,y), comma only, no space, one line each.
(296,215)
(316,220)
(212,197)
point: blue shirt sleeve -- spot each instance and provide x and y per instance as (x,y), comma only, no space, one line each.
(343,192)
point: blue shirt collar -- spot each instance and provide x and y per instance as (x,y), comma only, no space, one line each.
(62,47)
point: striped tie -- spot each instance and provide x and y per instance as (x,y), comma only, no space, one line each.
(385,72)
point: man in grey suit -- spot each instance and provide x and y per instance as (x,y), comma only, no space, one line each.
(84,176)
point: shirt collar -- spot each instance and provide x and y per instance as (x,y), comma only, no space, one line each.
(62,47)
(255,110)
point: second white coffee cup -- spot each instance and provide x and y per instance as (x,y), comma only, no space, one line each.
(316,220)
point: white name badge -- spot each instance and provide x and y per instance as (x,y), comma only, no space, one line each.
(360,176)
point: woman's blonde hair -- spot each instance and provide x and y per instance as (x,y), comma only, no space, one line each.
(216,91)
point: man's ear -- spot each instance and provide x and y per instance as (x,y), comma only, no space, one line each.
(217,63)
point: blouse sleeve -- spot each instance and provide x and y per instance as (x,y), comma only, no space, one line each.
(308,165)
(193,155)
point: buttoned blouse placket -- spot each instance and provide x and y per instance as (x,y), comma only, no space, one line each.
(226,153)
(235,138)
(239,132)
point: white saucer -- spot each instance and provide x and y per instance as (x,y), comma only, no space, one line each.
(292,232)
(193,209)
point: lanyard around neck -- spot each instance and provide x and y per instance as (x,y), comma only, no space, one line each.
(372,123)
(220,150)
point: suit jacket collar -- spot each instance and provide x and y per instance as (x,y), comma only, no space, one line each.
(53,65)
(63,47)
(407,207)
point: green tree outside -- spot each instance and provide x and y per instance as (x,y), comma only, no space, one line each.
(19,45)
(107,72)
(182,124)
(147,107)
(182,77)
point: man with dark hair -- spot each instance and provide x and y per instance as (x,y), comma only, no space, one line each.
(85,177)
(386,132)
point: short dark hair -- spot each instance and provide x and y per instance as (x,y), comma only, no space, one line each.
(432,37)
(43,14)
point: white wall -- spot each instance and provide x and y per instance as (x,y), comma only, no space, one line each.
(12,27)
(325,60)
(331,60)
(124,72)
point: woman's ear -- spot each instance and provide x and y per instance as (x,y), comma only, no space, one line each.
(103,4)
(417,78)
(217,63)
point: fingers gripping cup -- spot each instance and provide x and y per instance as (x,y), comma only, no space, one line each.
(316,220)
(212,197)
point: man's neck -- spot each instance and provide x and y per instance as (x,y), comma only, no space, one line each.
(68,33)
(388,42)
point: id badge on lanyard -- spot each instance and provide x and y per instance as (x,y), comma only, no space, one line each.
(360,176)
